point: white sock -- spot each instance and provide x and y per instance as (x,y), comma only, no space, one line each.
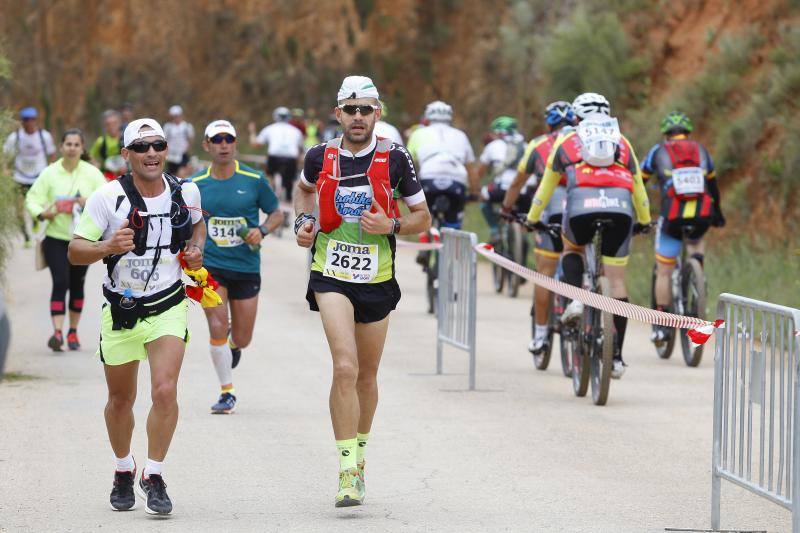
(153,467)
(540,331)
(223,359)
(125,464)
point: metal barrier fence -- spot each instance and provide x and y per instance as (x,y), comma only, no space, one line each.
(455,313)
(756,403)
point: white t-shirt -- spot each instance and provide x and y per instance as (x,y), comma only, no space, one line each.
(179,139)
(386,130)
(30,155)
(101,218)
(442,152)
(282,140)
(503,163)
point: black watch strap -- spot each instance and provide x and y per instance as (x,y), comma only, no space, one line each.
(264,232)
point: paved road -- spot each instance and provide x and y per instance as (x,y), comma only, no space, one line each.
(522,454)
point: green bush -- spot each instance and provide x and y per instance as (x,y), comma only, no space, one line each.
(591,52)
(8,192)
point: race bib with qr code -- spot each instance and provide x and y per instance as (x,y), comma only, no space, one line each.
(353,263)
(688,180)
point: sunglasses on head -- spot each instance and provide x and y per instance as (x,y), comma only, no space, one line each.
(144,147)
(217,139)
(365,110)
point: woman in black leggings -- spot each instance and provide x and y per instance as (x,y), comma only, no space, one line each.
(57,196)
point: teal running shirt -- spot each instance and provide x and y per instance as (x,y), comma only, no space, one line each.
(228,206)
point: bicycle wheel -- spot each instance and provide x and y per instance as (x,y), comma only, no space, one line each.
(432,285)
(572,337)
(498,272)
(693,286)
(664,350)
(515,253)
(602,348)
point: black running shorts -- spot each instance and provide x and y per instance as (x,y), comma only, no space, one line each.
(371,301)
(240,285)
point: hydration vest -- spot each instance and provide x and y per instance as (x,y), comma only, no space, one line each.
(684,153)
(178,217)
(544,148)
(586,175)
(330,176)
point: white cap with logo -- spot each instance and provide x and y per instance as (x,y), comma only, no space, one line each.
(219,126)
(133,133)
(175,111)
(357,87)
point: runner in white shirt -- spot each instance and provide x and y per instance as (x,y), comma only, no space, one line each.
(138,224)
(180,135)
(284,144)
(32,149)
(446,161)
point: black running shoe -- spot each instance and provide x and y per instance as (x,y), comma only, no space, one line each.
(122,497)
(56,341)
(154,491)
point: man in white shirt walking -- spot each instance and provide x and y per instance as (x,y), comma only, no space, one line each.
(32,149)
(180,135)
(284,144)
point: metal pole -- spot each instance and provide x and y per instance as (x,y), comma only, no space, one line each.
(716,450)
(441,298)
(473,289)
(795,491)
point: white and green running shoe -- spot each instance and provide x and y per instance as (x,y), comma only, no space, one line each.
(362,485)
(349,488)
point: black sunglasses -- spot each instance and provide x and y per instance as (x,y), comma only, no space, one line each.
(217,139)
(363,109)
(143,147)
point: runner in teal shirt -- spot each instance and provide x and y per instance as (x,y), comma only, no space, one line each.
(231,204)
(232,195)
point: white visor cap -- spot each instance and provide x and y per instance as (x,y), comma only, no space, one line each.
(219,126)
(132,133)
(357,87)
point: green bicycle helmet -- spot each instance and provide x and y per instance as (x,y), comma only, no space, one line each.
(676,122)
(504,124)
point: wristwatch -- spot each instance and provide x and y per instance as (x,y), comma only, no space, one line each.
(395,226)
(264,232)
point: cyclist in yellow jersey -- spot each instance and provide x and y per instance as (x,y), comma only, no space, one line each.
(559,116)
(603,180)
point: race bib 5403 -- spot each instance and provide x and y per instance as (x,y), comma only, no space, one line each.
(688,180)
(354,263)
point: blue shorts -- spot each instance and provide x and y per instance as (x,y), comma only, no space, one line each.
(669,237)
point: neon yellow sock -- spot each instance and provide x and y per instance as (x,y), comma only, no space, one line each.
(362,445)
(228,388)
(347,453)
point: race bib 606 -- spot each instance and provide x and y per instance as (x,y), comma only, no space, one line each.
(224,231)
(354,263)
(688,180)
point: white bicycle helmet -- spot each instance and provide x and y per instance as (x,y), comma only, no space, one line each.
(589,103)
(438,111)
(281,114)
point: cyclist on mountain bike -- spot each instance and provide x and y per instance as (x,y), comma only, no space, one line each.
(689,197)
(559,116)
(445,160)
(500,158)
(603,180)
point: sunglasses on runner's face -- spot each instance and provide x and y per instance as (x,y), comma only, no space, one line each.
(217,139)
(363,109)
(143,147)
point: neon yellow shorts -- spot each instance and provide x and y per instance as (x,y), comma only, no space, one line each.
(121,346)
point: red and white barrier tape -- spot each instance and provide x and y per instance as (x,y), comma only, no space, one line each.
(699,330)
(421,246)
